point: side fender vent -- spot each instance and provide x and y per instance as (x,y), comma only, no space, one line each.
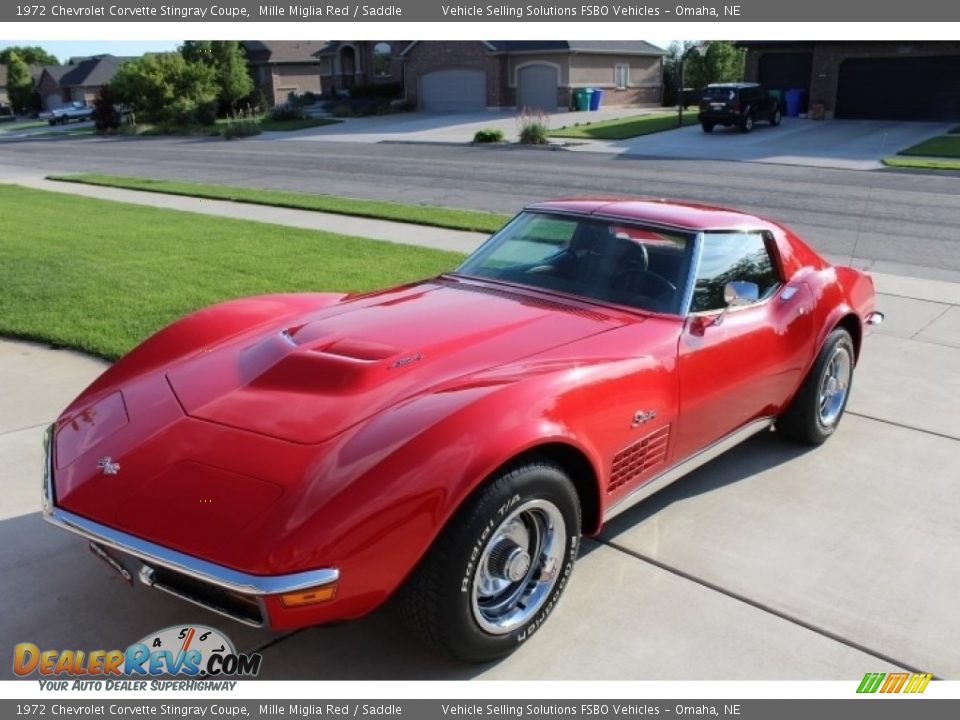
(635,460)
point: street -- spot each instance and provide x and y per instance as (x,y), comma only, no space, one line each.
(890,221)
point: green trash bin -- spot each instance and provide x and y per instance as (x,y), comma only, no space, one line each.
(581,98)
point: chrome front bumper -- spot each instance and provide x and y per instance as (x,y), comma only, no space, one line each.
(154,557)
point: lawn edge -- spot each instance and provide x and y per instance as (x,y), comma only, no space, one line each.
(470,220)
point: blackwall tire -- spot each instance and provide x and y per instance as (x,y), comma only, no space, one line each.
(815,412)
(496,572)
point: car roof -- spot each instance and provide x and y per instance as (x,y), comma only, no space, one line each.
(658,211)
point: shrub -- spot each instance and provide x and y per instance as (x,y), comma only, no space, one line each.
(375,90)
(488,135)
(240,130)
(288,112)
(534,126)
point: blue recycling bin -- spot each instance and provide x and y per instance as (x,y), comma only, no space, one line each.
(794,99)
(596,99)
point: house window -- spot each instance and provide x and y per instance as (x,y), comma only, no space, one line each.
(382,60)
(621,76)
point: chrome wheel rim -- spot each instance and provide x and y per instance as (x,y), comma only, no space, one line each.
(518,567)
(748,123)
(834,386)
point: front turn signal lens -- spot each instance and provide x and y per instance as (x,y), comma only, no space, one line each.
(310,596)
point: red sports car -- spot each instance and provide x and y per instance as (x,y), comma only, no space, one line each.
(288,460)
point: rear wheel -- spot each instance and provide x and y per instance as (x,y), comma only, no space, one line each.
(814,414)
(775,117)
(707,126)
(496,572)
(747,124)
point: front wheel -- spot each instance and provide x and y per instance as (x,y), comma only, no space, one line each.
(494,575)
(814,414)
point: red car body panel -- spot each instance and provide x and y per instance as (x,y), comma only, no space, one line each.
(279,434)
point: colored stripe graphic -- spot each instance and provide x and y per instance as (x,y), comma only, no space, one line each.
(894,682)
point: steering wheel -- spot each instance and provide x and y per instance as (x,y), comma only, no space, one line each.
(637,280)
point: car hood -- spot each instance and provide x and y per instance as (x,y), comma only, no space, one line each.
(327,370)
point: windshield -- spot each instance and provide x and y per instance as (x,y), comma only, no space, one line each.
(606,260)
(718,93)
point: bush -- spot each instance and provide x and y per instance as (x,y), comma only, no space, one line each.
(288,112)
(534,126)
(488,135)
(240,130)
(376,90)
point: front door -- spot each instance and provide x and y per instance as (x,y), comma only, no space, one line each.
(739,364)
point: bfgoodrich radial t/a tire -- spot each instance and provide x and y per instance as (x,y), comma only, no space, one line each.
(815,412)
(496,572)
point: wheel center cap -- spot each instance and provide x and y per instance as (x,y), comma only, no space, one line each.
(832,386)
(517,565)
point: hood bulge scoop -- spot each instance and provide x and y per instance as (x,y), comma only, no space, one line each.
(332,369)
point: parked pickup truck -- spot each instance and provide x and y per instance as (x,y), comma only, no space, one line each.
(73,111)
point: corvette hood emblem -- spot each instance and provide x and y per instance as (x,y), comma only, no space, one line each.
(107,466)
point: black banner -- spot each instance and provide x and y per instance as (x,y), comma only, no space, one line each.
(453,11)
(852,709)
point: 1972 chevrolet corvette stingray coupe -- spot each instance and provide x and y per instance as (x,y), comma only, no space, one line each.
(289,460)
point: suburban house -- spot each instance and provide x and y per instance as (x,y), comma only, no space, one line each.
(80,79)
(459,76)
(888,80)
(344,65)
(281,67)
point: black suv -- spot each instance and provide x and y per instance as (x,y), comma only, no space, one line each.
(740,104)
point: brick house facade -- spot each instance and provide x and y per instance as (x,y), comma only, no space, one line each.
(907,80)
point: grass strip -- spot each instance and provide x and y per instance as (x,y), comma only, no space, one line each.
(469,220)
(100,276)
(623,128)
(944,146)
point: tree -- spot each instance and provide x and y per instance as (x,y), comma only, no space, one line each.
(19,83)
(30,54)
(164,88)
(105,114)
(721,61)
(229,63)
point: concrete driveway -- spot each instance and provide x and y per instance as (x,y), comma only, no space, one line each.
(773,562)
(442,127)
(845,144)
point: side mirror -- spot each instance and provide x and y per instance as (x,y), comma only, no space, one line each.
(736,293)
(740,292)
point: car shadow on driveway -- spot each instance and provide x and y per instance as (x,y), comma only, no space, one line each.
(762,452)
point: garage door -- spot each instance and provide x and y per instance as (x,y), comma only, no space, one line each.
(537,87)
(900,88)
(53,102)
(453,91)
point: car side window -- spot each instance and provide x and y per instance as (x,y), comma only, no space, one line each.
(727,257)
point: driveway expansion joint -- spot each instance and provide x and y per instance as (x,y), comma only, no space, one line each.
(763,607)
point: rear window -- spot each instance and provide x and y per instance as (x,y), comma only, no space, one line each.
(717,94)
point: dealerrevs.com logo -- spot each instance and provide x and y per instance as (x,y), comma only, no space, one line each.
(193,651)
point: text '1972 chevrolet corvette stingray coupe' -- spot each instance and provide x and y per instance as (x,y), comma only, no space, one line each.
(290,460)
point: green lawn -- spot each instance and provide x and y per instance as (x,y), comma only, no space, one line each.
(627,127)
(947,146)
(100,276)
(471,220)
(938,153)
(24,125)
(268,125)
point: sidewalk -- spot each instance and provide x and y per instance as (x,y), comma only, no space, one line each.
(395,232)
